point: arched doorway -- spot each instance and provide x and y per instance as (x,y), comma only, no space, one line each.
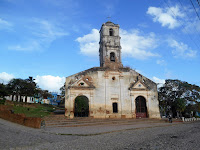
(81,106)
(141,108)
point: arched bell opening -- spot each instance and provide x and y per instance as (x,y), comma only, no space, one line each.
(111,32)
(112,56)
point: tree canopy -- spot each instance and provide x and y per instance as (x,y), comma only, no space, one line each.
(23,87)
(176,96)
(3,90)
(62,92)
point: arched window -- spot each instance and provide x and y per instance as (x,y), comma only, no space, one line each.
(112,56)
(115,108)
(111,32)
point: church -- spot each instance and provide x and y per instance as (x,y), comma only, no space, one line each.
(111,90)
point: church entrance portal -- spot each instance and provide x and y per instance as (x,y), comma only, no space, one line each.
(141,108)
(81,106)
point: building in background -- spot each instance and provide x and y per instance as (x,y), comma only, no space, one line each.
(55,99)
(30,99)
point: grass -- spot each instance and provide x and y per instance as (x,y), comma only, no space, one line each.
(30,110)
(38,111)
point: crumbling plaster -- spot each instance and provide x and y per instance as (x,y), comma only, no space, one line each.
(102,91)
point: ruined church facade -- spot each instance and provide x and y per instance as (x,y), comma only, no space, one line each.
(111,90)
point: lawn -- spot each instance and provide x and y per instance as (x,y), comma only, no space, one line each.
(28,109)
(39,111)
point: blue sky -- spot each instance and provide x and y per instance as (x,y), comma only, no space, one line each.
(52,39)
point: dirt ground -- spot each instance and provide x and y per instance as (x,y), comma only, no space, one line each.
(164,136)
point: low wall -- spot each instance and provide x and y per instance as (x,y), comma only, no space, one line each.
(6,113)
(190,119)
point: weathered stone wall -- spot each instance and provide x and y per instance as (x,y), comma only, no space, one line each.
(109,86)
(109,44)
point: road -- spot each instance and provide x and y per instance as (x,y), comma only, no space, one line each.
(169,136)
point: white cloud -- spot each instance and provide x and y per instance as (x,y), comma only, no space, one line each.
(192,27)
(170,17)
(46,30)
(181,50)
(161,62)
(43,33)
(134,44)
(158,81)
(5,77)
(5,24)
(28,46)
(89,43)
(49,82)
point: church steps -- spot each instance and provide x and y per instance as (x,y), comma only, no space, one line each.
(94,122)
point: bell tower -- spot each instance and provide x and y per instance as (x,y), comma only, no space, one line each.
(109,46)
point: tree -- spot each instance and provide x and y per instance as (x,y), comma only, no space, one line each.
(20,87)
(175,95)
(42,93)
(46,94)
(180,105)
(29,87)
(62,94)
(15,88)
(3,90)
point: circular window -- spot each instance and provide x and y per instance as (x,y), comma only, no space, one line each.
(113,78)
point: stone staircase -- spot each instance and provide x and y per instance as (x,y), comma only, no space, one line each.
(62,121)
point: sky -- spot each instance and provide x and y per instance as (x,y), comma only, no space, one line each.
(52,39)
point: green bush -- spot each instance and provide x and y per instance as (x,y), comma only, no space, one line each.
(2,101)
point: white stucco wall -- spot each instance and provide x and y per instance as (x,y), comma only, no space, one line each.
(108,91)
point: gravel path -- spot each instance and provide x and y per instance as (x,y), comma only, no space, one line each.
(173,136)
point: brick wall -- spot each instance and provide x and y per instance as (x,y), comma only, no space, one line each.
(6,113)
